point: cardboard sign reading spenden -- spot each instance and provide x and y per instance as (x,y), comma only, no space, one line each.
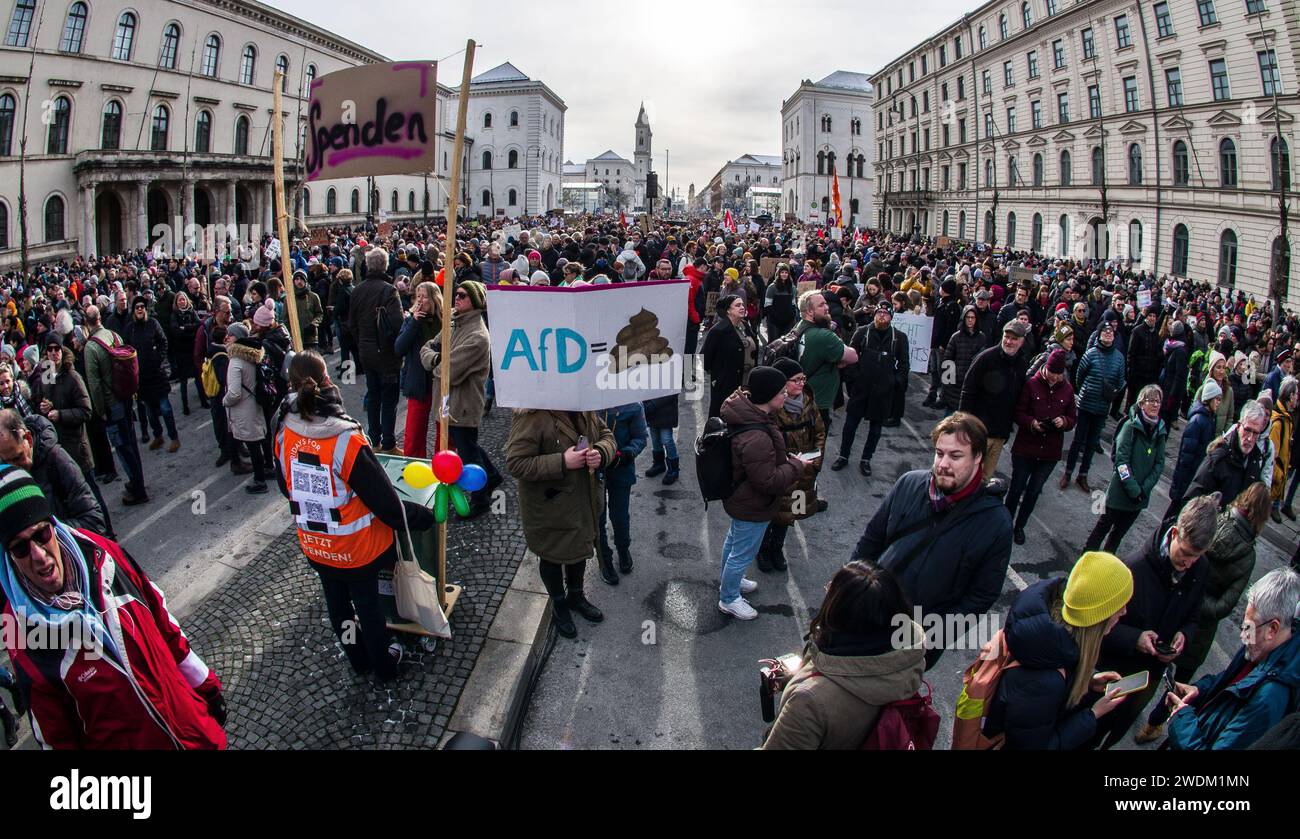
(380,119)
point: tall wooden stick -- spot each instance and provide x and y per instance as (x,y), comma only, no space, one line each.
(448,280)
(282,216)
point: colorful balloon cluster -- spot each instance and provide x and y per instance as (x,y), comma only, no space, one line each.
(454,480)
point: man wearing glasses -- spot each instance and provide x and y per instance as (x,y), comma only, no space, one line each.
(1234,460)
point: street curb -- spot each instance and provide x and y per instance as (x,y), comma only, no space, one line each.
(494,697)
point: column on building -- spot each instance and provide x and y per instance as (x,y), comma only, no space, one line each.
(88,243)
(268,204)
(142,214)
(231,219)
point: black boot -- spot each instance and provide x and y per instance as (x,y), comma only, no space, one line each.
(674,471)
(580,604)
(657,468)
(761,558)
(624,560)
(562,618)
(607,572)
(774,542)
(10,726)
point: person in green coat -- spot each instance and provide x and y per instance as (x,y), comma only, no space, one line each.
(1139,460)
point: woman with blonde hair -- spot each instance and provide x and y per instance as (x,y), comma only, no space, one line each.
(422,324)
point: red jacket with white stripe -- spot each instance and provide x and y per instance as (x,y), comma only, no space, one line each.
(80,701)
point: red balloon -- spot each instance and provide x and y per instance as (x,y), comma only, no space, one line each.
(447,466)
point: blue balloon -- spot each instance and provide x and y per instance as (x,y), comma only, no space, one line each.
(472,478)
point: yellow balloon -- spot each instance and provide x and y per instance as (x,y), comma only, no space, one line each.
(418,475)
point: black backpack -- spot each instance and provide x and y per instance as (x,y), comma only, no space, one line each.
(787,346)
(713,458)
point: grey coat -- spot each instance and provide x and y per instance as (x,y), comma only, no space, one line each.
(247,422)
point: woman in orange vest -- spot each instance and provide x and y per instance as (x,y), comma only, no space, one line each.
(347,513)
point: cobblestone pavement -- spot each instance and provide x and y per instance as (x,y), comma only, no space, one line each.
(287,683)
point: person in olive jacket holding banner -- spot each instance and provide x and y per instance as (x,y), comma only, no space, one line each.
(556,458)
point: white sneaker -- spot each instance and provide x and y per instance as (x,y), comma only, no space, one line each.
(738,608)
(747,585)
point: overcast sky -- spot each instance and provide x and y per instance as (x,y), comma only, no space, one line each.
(712,74)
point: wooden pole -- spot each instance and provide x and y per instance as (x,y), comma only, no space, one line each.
(448,280)
(282,215)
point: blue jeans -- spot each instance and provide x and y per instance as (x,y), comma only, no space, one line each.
(1087,432)
(121,434)
(661,441)
(382,391)
(158,411)
(616,510)
(738,551)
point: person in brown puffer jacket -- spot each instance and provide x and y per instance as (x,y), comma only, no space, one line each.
(802,427)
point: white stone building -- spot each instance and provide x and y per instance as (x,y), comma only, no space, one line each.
(729,186)
(826,128)
(1102,128)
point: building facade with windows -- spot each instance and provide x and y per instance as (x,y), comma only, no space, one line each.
(1101,129)
(826,129)
(729,187)
(136,116)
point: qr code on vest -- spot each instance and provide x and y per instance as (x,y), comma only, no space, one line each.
(315,512)
(310,482)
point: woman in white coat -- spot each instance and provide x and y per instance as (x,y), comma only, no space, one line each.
(247,421)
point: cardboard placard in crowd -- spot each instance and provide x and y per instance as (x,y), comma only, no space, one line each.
(803,286)
(767,267)
(918,329)
(1021,274)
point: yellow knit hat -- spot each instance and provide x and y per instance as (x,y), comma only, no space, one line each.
(1099,586)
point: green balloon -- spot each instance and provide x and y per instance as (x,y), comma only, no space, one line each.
(460,501)
(440,503)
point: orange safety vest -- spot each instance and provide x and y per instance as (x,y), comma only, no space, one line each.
(335,528)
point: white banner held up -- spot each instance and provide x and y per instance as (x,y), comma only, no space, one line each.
(587,348)
(1143,299)
(918,329)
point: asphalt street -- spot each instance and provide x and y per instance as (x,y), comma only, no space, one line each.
(667,670)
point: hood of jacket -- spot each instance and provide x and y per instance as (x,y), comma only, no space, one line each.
(44,437)
(1199,407)
(738,409)
(1033,638)
(247,349)
(319,427)
(874,679)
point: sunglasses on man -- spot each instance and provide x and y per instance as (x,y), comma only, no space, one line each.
(20,548)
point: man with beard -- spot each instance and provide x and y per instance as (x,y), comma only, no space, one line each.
(882,364)
(821,352)
(992,386)
(943,534)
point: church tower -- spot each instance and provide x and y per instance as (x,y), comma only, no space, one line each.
(642,156)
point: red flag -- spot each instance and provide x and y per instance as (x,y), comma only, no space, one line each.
(728,222)
(835,199)
(622,218)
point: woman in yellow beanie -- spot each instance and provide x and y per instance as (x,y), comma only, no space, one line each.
(1053,699)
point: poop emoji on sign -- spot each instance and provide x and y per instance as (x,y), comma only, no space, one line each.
(639,343)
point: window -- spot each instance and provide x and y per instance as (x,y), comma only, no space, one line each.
(1254,7)
(392,202)
(1038,169)
(306,202)
(1067,169)
(961,175)
(1219,79)
(1281,164)
(311,77)
(956,45)
(1123,37)
(111,130)
(487,120)
(1164,23)
(1135,165)
(1011,120)
(1206,10)
(1094,101)
(1032,62)
(988,172)
(1002,27)
(1036,233)
(926,132)
(248,64)
(331,202)
(1026,15)
(158,129)
(124,37)
(512,159)
(1182,171)
(512,198)
(1181,243)
(987,78)
(911,72)
(1130,94)
(241,135)
(1058,54)
(54,219)
(988,125)
(20,24)
(961,88)
(1062,108)
(514,121)
(913,106)
(487,161)
(211,55)
(925,64)
(171,41)
(945,223)
(984,41)
(1098,166)
(282,66)
(1013,172)
(56,140)
(1228,259)
(1051,7)
(826,121)
(4,226)
(1063,228)
(821,161)
(945,177)
(203,133)
(1228,162)
(1011,230)
(943,56)
(947,136)
(74,28)
(1036,114)
(355,204)
(1268,72)
(961,225)
(1008,78)
(1174,86)
(1089,45)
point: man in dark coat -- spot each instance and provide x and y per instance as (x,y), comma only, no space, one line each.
(1173,378)
(942,532)
(31,444)
(375,301)
(986,320)
(1234,461)
(992,386)
(882,367)
(1145,355)
(146,335)
(1162,616)
(947,320)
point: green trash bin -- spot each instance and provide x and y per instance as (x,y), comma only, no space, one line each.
(425,542)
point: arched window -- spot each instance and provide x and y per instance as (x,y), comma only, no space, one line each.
(171,42)
(54,219)
(282,65)
(988,172)
(355,204)
(8,112)
(826,204)
(74,28)
(241,135)
(1011,230)
(1063,230)
(311,77)
(306,202)
(1182,168)
(1067,169)
(1135,165)
(1281,164)
(124,37)
(111,131)
(1036,234)
(1228,259)
(1135,240)
(512,198)
(821,163)
(487,160)
(158,128)
(853,207)
(4,226)
(392,202)
(487,120)
(410,201)
(984,38)
(988,226)
(1013,171)
(512,159)
(1002,27)
(331,202)
(1181,247)
(1026,15)
(203,133)
(1098,166)
(946,220)
(248,65)
(487,198)
(211,55)
(1228,162)
(514,119)
(1038,169)
(20,24)
(56,140)
(961,225)
(830,163)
